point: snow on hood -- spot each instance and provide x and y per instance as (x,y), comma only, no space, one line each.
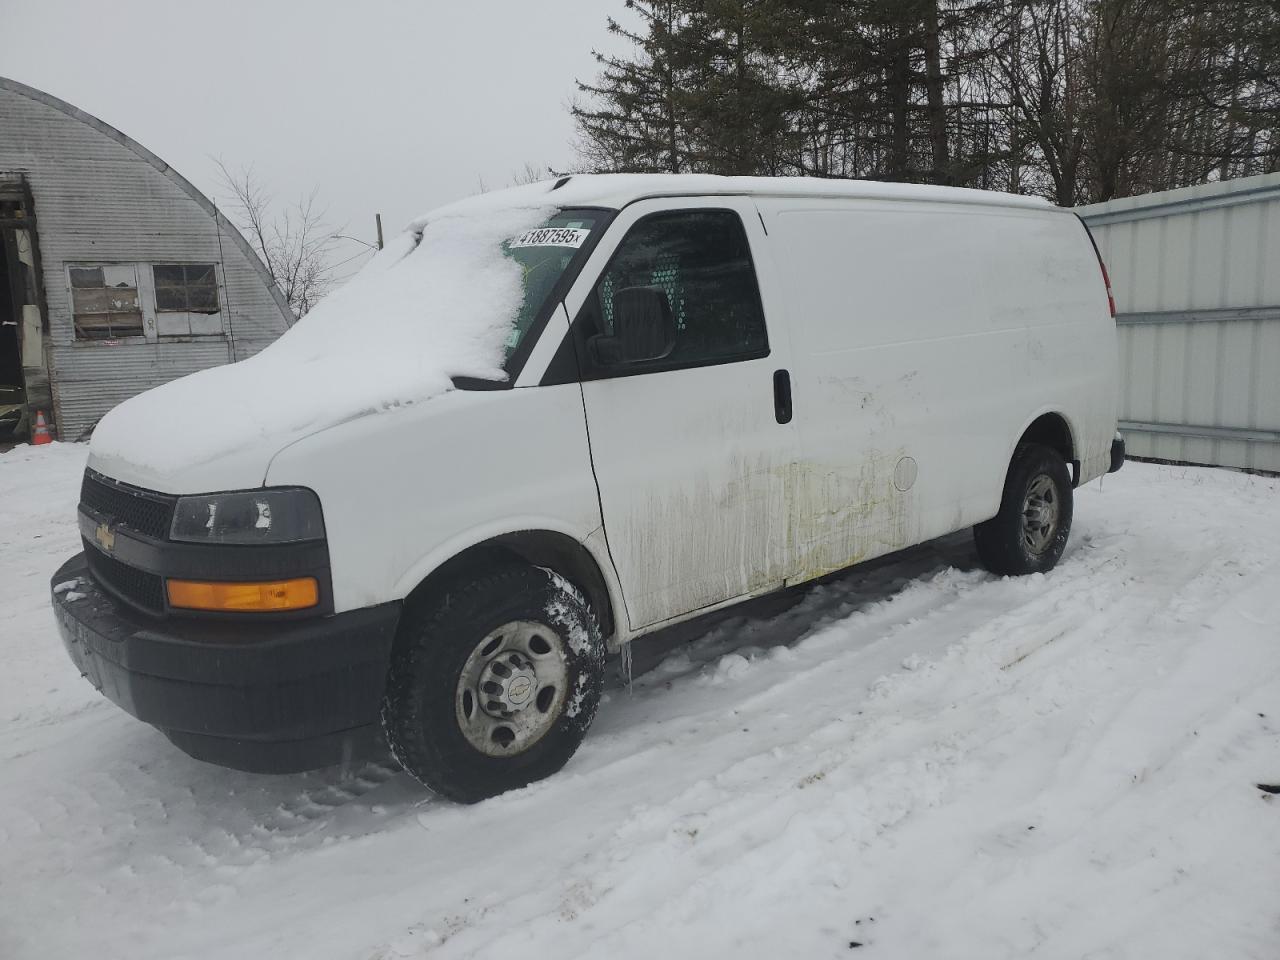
(419,314)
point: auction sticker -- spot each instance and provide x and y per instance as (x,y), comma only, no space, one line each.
(552,237)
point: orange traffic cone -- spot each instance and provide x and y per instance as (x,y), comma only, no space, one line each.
(41,433)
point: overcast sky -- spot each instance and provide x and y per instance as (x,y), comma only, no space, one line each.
(384,106)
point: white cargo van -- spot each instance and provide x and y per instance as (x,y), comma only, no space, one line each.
(547,421)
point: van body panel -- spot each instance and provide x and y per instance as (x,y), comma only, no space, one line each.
(402,489)
(926,338)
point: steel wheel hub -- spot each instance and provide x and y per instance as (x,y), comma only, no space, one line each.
(1040,512)
(512,688)
(507,684)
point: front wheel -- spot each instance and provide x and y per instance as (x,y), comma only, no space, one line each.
(493,682)
(1030,532)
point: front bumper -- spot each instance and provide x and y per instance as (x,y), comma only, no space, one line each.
(268,697)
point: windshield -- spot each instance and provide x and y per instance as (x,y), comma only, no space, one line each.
(544,254)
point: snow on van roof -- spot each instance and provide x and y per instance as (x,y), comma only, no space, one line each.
(616,190)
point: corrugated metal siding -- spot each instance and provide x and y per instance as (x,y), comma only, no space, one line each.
(1196,275)
(95,377)
(101,197)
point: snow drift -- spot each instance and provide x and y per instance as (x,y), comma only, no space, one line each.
(914,756)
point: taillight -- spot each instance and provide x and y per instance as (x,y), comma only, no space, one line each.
(1111,300)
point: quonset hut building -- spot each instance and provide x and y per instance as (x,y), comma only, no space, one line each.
(116,274)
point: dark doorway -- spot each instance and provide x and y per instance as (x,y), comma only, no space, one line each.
(23,381)
(12,393)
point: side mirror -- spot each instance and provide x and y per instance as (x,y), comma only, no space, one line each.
(644,328)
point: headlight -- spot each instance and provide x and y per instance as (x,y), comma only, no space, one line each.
(254,516)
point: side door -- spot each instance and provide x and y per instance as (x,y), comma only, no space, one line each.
(691,448)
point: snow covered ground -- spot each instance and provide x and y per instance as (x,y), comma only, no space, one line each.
(918,758)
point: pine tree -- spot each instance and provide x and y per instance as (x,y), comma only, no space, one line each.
(740,110)
(634,117)
(1078,100)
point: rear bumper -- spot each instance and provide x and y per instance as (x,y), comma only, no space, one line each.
(1117,454)
(269,697)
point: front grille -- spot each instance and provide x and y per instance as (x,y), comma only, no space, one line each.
(142,511)
(142,589)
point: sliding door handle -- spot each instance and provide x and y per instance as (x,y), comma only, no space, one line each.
(782,396)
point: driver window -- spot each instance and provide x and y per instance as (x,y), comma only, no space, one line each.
(701,260)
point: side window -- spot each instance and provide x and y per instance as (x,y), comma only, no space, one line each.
(105,303)
(701,260)
(186,297)
(186,288)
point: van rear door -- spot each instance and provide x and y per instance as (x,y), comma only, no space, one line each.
(689,452)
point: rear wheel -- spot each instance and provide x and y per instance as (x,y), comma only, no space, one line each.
(1030,532)
(493,683)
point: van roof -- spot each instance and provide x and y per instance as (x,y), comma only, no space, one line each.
(619,189)
(616,190)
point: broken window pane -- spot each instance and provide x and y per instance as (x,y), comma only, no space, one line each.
(104,302)
(91,301)
(202,299)
(206,324)
(187,288)
(171,299)
(177,324)
(120,275)
(86,277)
(199,275)
(168,275)
(123,299)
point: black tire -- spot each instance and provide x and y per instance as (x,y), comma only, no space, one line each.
(437,638)
(1002,541)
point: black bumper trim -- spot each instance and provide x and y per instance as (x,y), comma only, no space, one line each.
(300,689)
(1117,454)
(206,561)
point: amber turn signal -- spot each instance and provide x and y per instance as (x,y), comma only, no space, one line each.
(237,597)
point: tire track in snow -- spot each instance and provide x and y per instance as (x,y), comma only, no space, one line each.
(861,742)
(676,832)
(867,626)
(833,741)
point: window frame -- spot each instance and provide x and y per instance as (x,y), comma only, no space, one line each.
(185,286)
(144,273)
(157,313)
(141,335)
(590,370)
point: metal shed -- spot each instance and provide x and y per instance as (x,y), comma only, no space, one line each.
(1196,275)
(116,274)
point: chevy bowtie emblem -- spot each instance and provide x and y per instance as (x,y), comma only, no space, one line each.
(105,537)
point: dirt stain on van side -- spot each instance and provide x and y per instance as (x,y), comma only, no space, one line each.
(761,526)
(842,514)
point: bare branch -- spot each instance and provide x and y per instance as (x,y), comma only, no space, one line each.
(293,240)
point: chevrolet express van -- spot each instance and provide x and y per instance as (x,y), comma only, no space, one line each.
(547,421)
